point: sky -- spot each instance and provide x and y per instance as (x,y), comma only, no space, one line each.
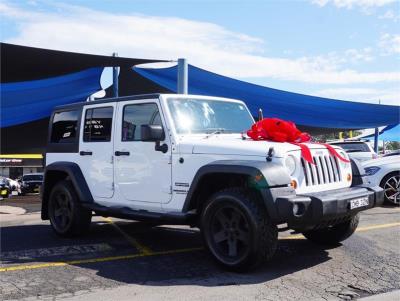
(344,49)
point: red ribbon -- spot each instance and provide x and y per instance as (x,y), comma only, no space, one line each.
(278,130)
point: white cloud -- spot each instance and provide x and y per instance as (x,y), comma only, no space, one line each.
(385,96)
(390,43)
(348,57)
(206,45)
(390,15)
(349,4)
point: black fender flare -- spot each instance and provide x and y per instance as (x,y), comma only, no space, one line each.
(358,173)
(274,174)
(74,174)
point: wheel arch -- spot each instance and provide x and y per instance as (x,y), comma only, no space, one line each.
(59,171)
(218,175)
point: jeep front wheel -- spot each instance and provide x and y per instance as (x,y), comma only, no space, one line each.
(334,234)
(237,230)
(67,217)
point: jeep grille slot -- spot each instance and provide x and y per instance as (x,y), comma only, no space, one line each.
(325,171)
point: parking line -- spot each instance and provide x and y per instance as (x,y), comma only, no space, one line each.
(141,248)
(132,256)
(93,260)
(360,229)
(374,227)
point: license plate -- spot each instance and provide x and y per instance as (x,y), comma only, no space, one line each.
(4,192)
(359,202)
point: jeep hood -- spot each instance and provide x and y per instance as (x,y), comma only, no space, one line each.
(230,144)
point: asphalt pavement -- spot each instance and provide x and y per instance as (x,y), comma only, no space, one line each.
(125,260)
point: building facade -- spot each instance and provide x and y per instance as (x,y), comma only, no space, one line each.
(16,165)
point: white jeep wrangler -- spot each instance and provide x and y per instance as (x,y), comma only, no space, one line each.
(183,159)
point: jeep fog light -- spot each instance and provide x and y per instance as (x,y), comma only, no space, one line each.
(290,163)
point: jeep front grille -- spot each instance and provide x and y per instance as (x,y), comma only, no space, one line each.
(326,170)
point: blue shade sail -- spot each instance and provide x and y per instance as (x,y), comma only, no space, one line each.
(23,102)
(390,133)
(302,109)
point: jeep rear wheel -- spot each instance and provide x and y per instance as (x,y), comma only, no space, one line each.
(67,217)
(237,229)
(334,234)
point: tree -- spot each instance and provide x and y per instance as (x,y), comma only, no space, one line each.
(392,145)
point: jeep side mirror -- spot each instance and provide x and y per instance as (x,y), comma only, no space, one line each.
(152,133)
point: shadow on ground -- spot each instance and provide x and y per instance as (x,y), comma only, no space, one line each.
(183,268)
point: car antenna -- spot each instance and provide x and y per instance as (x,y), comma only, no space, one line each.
(260,114)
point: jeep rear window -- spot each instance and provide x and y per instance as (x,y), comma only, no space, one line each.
(64,127)
(203,116)
(98,124)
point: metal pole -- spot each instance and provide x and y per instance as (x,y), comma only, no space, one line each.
(115,78)
(376,138)
(182,87)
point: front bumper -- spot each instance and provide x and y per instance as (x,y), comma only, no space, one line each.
(323,208)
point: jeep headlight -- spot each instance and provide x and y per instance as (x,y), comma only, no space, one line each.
(290,163)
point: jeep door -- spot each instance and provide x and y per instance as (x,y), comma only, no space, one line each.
(143,174)
(96,149)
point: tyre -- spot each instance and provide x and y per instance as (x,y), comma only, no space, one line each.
(334,234)
(67,217)
(391,186)
(237,230)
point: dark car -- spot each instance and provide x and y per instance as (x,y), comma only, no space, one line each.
(31,183)
(5,188)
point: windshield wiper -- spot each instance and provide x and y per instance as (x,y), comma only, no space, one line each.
(214,131)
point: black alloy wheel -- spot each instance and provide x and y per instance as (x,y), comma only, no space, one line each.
(237,230)
(67,217)
(62,210)
(230,234)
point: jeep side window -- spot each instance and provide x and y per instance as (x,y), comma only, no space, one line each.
(98,124)
(135,116)
(64,127)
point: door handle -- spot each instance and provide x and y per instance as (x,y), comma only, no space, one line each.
(120,153)
(85,153)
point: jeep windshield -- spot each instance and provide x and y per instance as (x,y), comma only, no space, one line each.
(205,116)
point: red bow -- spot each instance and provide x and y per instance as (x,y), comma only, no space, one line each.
(274,129)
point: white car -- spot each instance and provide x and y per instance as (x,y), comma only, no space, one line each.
(360,150)
(15,185)
(385,172)
(183,159)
